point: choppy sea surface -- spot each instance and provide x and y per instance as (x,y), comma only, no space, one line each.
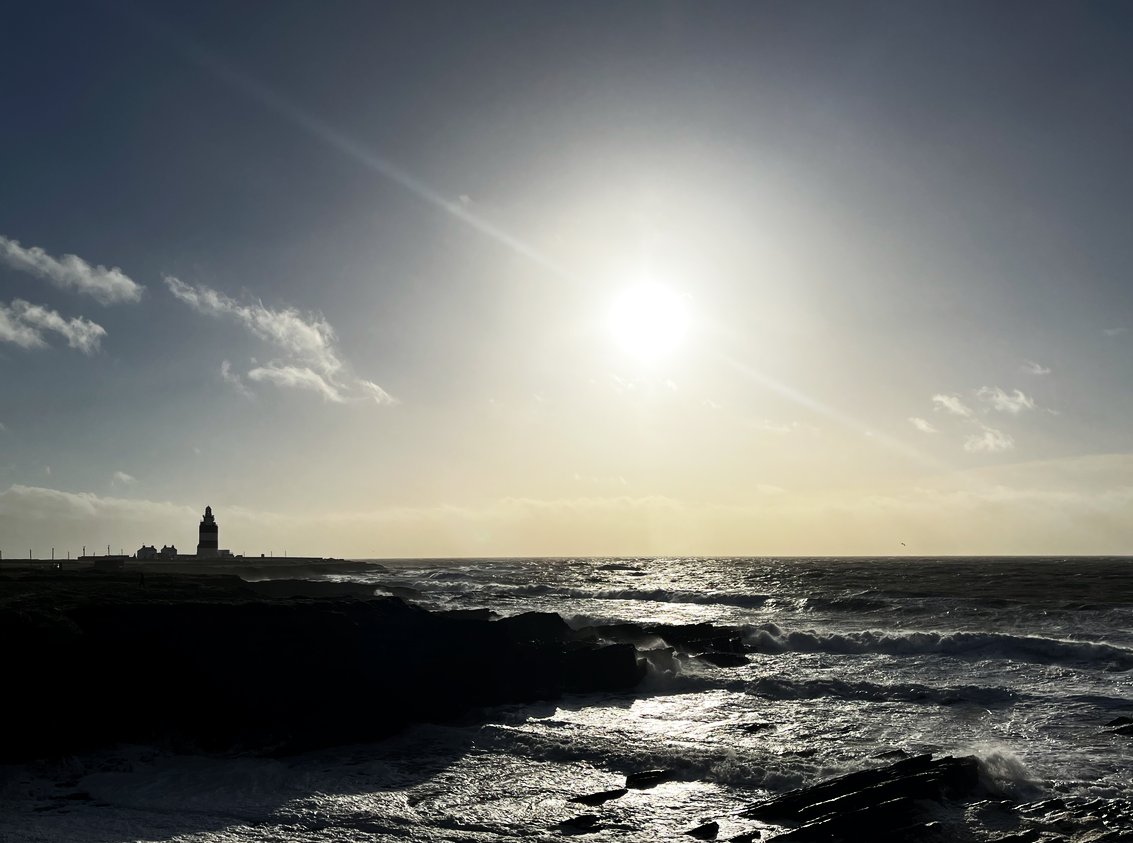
(1019,661)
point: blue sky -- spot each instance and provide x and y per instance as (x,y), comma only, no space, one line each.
(345,272)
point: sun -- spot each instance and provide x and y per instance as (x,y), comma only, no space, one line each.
(649,321)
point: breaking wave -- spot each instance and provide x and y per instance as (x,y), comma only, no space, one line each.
(774,687)
(769,638)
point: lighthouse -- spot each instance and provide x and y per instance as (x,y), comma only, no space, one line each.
(208,546)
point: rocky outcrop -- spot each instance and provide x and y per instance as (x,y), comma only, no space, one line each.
(648,778)
(220,665)
(888,803)
(601,797)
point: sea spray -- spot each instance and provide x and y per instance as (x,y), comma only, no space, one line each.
(1003,772)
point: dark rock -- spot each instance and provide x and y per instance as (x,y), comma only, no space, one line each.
(235,670)
(583,822)
(725,644)
(756,728)
(1031,835)
(536,626)
(1118,721)
(614,667)
(891,754)
(311,588)
(693,636)
(890,821)
(661,659)
(467,614)
(707,831)
(601,797)
(724,659)
(859,805)
(1122,730)
(648,778)
(746,837)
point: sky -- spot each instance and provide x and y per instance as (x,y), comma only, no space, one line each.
(554,279)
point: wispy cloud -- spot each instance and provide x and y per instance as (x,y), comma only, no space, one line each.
(1013,402)
(308,339)
(307,336)
(953,404)
(297,377)
(79,332)
(782,427)
(14,331)
(24,324)
(35,503)
(1033,368)
(985,438)
(989,440)
(375,392)
(923,425)
(1113,332)
(108,286)
(121,478)
(232,378)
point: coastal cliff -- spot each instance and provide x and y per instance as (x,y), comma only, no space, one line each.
(219,664)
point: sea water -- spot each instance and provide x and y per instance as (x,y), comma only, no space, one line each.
(854,662)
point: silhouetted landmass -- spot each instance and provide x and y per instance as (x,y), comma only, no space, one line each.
(216,663)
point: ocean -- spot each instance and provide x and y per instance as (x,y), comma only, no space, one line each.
(851,663)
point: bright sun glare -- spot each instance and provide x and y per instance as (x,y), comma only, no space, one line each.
(649,321)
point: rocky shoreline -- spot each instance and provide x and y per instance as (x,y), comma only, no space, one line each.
(214,663)
(219,665)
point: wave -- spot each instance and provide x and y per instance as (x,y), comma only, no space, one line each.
(654,595)
(769,638)
(853,603)
(777,688)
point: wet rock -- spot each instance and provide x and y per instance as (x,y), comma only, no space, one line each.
(581,823)
(601,797)
(862,804)
(707,831)
(756,728)
(1118,721)
(1031,835)
(1122,730)
(746,837)
(891,754)
(536,626)
(661,659)
(648,778)
(725,644)
(1101,835)
(724,659)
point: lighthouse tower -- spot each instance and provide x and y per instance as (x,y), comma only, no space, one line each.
(208,546)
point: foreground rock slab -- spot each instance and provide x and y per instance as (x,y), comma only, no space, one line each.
(888,803)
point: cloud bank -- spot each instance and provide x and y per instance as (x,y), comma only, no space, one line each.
(1065,506)
(70,272)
